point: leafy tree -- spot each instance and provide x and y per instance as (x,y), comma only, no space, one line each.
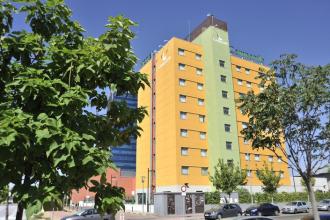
(4,193)
(293,109)
(227,177)
(108,199)
(50,76)
(269,179)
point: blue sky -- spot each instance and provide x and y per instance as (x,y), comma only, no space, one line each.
(267,28)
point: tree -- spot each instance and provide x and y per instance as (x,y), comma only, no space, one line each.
(4,193)
(269,179)
(313,180)
(50,78)
(293,109)
(227,177)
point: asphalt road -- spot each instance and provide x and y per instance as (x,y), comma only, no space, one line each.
(200,217)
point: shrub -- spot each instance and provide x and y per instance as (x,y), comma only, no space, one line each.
(244,195)
(212,197)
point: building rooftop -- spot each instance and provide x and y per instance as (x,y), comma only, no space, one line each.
(209,21)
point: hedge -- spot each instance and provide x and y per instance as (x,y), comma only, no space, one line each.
(245,196)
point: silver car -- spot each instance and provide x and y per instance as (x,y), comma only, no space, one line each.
(88,214)
(295,207)
(324,205)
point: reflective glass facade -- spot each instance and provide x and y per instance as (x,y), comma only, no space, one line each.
(125,156)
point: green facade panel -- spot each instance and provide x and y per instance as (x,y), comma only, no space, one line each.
(215,44)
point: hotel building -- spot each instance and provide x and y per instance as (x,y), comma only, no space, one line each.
(194,119)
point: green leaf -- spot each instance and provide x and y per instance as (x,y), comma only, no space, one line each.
(52,147)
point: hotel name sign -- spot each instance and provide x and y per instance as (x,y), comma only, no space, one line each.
(246,56)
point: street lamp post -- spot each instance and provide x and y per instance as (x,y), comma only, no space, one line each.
(148,192)
(142,180)
(294,182)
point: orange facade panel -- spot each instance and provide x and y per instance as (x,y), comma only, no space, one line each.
(244,80)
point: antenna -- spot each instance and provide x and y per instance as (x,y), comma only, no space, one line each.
(189,30)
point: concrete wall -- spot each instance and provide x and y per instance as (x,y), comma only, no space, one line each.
(138,208)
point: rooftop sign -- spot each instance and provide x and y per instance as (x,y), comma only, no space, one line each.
(246,56)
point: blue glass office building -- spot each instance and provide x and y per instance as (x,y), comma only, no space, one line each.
(125,156)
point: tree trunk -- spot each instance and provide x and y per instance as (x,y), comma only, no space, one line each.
(19,213)
(313,200)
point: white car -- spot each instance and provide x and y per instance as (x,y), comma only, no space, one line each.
(295,207)
(88,214)
(324,205)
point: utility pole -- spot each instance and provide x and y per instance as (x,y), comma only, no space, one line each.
(7,206)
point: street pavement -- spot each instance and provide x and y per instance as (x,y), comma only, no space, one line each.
(139,216)
(130,216)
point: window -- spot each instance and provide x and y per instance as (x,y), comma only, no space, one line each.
(199,86)
(262,88)
(182,66)
(222,63)
(202,135)
(247,156)
(270,158)
(239,82)
(281,174)
(182,82)
(198,56)
(241,95)
(225,111)
(227,127)
(230,162)
(184,170)
(244,125)
(228,145)
(261,74)
(248,173)
(224,94)
(203,152)
(181,52)
(246,141)
(204,171)
(184,132)
(223,78)
(248,84)
(247,71)
(184,151)
(183,115)
(238,68)
(183,98)
(199,71)
(279,159)
(202,118)
(200,101)
(257,157)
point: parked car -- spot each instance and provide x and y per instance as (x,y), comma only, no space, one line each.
(295,207)
(324,205)
(263,209)
(89,214)
(226,210)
